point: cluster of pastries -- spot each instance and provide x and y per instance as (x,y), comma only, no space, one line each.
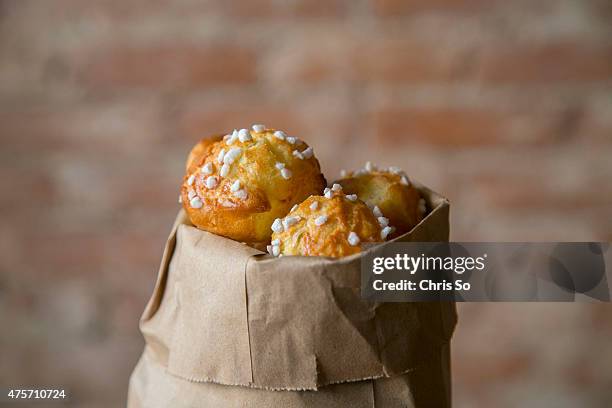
(265,188)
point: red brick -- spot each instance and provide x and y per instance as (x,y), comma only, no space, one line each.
(137,249)
(506,366)
(169,66)
(160,194)
(601,10)
(247,10)
(98,10)
(538,64)
(393,61)
(112,126)
(464,127)
(315,58)
(63,253)
(315,8)
(28,186)
(335,58)
(266,9)
(394,8)
(525,193)
(596,125)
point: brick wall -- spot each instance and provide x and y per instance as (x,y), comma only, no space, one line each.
(505,107)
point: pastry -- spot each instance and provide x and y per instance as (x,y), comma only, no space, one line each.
(334,225)
(238,184)
(389,192)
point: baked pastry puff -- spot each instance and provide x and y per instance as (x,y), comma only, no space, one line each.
(389,192)
(238,184)
(333,225)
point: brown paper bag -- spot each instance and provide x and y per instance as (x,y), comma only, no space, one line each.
(229,326)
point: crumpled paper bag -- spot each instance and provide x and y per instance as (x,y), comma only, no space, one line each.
(228,325)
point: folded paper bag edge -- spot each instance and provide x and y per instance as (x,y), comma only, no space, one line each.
(150,386)
(155,300)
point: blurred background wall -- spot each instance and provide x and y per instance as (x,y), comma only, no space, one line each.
(503,106)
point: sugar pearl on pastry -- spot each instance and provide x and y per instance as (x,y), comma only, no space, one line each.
(190,180)
(351,197)
(232,155)
(293,208)
(369,167)
(195,202)
(394,170)
(211,182)
(386,231)
(290,220)
(320,220)
(279,165)
(244,135)
(279,134)
(258,128)
(404,180)
(328,193)
(191,194)
(297,154)
(336,187)
(291,139)
(224,170)
(221,155)
(207,168)
(241,194)
(383,221)
(277,225)
(235,186)
(232,138)
(308,152)
(314,205)
(180,199)
(377,212)
(353,238)
(286,173)
(274,248)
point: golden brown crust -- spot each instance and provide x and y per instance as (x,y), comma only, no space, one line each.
(202,148)
(392,192)
(241,200)
(330,236)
